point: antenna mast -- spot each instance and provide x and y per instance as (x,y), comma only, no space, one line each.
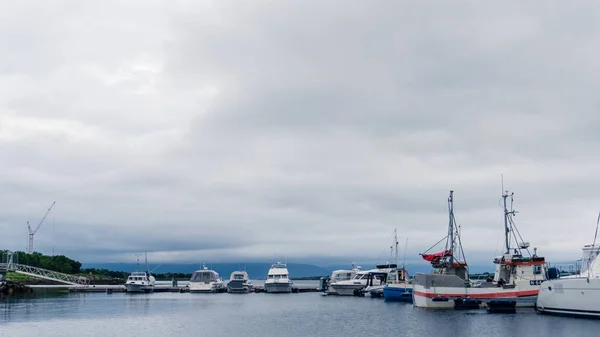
(32,232)
(451,226)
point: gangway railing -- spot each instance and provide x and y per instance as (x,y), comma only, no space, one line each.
(49,274)
(9,262)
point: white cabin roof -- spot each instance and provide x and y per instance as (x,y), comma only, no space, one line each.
(237,273)
(278,271)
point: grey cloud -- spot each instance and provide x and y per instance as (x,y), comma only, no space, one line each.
(236,131)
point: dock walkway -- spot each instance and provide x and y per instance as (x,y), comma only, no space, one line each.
(162,289)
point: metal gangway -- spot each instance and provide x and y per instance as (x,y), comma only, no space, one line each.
(8,264)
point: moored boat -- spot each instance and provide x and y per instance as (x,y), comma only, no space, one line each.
(278,280)
(576,295)
(398,287)
(238,282)
(517,277)
(339,276)
(140,281)
(205,281)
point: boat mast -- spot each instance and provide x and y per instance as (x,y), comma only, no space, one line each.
(146,257)
(404,259)
(396,244)
(506,228)
(137,265)
(451,226)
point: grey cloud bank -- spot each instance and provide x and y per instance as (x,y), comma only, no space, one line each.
(229,131)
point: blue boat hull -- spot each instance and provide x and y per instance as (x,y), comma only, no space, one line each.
(397,294)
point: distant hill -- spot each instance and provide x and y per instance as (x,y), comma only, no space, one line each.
(254,270)
(258,270)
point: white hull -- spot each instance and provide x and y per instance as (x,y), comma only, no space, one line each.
(212,287)
(573,297)
(331,291)
(139,288)
(426,298)
(347,289)
(278,287)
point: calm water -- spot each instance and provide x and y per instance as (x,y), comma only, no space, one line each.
(304,314)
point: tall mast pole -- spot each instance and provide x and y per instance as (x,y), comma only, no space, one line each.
(396,244)
(451,225)
(506,228)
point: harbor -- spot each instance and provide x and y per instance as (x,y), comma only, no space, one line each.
(519,277)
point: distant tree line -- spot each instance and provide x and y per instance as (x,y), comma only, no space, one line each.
(59,263)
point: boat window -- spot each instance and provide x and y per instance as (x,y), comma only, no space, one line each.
(343,276)
(270,276)
(239,277)
(537,269)
(202,277)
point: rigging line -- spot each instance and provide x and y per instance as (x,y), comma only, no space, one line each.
(462,251)
(519,233)
(590,258)
(596,234)
(437,243)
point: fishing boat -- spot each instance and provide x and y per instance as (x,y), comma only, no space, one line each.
(339,276)
(574,295)
(238,282)
(140,281)
(517,278)
(278,280)
(399,287)
(205,281)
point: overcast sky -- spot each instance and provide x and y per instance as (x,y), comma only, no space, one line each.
(249,130)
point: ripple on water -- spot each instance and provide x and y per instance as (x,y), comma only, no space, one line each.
(254,315)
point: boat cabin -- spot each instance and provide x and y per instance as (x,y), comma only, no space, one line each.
(239,275)
(138,276)
(278,271)
(511,267)
(204,276)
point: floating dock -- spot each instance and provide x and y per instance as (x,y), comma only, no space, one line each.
(166,289)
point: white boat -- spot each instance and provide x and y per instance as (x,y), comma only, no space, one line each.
(378,279)
(517,277)
(238,282)
(278,280)
(369,281)
(353,286)
(576,295)
(140,281)
(364,280)
(205,281)
(339,276)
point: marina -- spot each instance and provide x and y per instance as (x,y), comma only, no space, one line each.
(305,314)
(519,275)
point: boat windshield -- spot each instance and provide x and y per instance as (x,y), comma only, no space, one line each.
(360,276)
(202,277)
(238,277)
(342,276)
(277,277)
